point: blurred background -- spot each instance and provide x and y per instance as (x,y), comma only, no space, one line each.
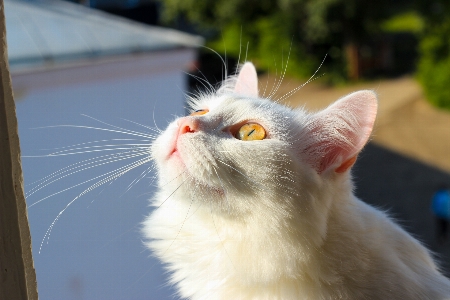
(128,64)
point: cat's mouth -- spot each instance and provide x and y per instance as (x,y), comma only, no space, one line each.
(173,152)
(173,148)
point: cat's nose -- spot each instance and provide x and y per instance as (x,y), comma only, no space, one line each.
(187,125)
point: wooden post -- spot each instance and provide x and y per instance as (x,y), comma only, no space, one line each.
(17,275)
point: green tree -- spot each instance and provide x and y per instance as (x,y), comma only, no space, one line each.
(307,30)
(434,64)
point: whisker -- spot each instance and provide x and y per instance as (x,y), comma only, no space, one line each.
(143,149)
(172,193)
(129,132)
(221,58)
(164,184)
(266,85)
(181,227)
(154,121)
(92,187)
(65,172)
(246,51)
(246,176)
(204,81)
(272,89)
(94,142)
(214,221)
(142,125)
(208,87)
(137,179)
(287,95)
(284,71)
(240,47)
(138,163)
(83,163)
(98,148)
(114,126)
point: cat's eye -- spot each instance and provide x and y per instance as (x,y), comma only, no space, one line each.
(251,132)
(199,112)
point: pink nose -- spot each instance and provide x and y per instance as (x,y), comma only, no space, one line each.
(187,125)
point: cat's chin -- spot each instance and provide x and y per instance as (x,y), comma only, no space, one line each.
(174,164)
(174,154)
(174,159)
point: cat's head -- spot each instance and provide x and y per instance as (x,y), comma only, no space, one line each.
(240,152)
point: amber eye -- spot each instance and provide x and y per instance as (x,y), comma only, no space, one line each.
(199,112)
(251,132)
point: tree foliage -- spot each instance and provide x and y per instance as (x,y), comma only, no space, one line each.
(306,30)
(434,64)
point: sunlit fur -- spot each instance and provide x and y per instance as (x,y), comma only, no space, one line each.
(271,219)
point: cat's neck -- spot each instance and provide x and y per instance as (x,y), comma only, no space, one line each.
(285,236)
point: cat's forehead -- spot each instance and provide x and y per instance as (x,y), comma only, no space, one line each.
(238,105)
(234,109)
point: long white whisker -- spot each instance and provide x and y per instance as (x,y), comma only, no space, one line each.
(287,95)
(284,71)
(164,184)
(223,61)
(142,149)
(114,126)
(76,169)
(266,85)
(93,142)
(98,147)
(142,175)
(139,162)
(273,89)
(240,47)
(172,193)
(129,132)
(246,51)
(181,227)
(83,163)
(142,125)
(92,187)
(154,121)
(208,87)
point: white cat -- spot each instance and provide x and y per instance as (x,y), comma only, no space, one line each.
(255,202)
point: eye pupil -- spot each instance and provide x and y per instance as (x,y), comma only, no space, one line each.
(251,132)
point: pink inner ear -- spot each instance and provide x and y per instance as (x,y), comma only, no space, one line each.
(338,133)
(247,81)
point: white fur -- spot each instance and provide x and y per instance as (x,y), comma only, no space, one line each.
(273,219)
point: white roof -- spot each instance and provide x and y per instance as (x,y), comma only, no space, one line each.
(42,33)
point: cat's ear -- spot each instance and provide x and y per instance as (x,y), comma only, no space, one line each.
(338,133)
(247,81)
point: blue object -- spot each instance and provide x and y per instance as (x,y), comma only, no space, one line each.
(441,204)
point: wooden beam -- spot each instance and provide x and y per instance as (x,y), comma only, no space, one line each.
(17,274)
